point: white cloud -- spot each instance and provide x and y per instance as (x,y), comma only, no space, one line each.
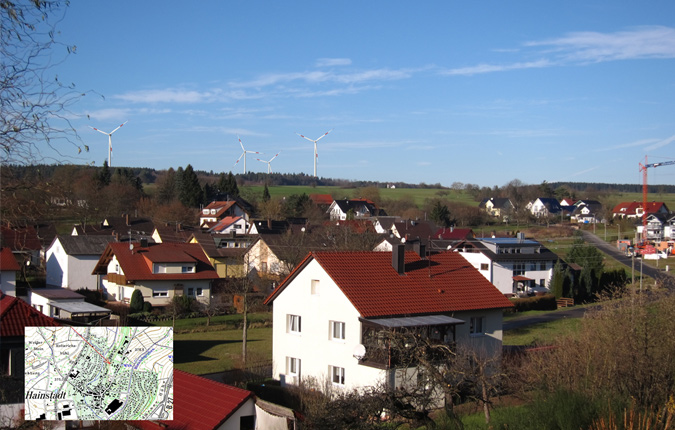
(490,68)
(589,46)
(661,143)
(328,62)
(315,77)
(586,47)
(165,96)
(109,114)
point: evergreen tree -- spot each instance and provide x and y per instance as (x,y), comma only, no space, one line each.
(167,190)
(190,192)
(104,175)
(232,188)
(136,304)
(557,280)
(440,214)
(266,194)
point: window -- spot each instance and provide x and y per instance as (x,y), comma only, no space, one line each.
(542,265)
(483,266)
(191,292)
(542,282)
(294,324)
(518,269)
(337,375)
(337,330)
(533,266)
(160,294)
(200,292)
(188,269)
(315,286)
(477,325)
(292,366)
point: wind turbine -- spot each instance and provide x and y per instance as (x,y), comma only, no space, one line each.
(243,154)
(109,140)
(315,153)
(269,163)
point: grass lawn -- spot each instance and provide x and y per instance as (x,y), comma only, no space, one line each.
(220,322)
(219,350)
(541,334)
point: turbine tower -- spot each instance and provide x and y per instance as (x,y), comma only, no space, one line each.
(316,155)
(109,140)
(269,163)
(243,154)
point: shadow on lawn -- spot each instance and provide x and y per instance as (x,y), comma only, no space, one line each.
(187,351)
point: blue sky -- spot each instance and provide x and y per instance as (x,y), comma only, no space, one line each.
(435,92)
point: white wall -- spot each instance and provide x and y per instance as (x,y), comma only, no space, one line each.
(8,282)
(313,345)
(232,423)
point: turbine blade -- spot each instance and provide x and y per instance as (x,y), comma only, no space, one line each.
(304,137)
(100,131)
(322,136)
(242,145)
(235,163)
(275,156)
(119,127)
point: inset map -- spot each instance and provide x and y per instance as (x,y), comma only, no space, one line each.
(99,373)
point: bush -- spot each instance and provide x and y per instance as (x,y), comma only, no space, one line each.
(136,304)
(538,303)
(147,307)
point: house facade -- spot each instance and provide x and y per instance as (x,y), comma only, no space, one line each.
(332,311)
(160,271)
(544,206)
(497,206)
(516,266)
(358,208)
(8,269)
(70,261)
(215,211)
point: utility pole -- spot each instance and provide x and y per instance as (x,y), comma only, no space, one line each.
(633,267)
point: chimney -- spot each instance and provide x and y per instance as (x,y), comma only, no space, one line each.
(144,242)
(398,258)
(420,249)
(127,219)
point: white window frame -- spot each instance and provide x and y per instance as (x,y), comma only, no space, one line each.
(337,375)
(293,367)
(294,324)
(160,294)
(477,326)
(199,292)
(315,287)
(337,331)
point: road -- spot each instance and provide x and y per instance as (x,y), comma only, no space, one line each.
(652,272)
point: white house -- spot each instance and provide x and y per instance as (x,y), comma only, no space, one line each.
(8,269)
(330,313)
(230,224)
(217,210)
(544,206)
(160,271)
(516,266)
(71,259)
(359,208)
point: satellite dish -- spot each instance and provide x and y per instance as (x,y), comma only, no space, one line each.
(359,352)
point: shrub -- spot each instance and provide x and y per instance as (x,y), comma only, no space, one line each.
(136,303)
(538,303)
(147,307)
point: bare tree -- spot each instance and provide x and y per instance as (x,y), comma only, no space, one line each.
(35,103)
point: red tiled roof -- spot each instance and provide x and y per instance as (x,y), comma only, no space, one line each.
(225,222)
(20,238)
(7,260)
(630,208)
(445,283)
(15,314)
(321,199)
(136,263)
(454,234)
(220,208)
(199,404)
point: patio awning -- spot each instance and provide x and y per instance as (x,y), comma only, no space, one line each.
(522,278)
(428,320)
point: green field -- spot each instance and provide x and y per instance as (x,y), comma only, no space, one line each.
(219,350)
(541,334)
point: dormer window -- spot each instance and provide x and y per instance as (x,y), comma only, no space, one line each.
(188,269)
(213,211)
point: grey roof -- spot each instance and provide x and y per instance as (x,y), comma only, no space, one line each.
(84,245)
(425,320)
(79,307)
(58,294)
(544,253)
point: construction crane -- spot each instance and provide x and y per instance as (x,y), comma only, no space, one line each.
(643,169)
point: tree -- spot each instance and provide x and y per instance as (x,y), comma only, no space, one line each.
(190,192)
(228,185)
(34,103)
(167,187)
(557,280)
(266,195)
(440,214)
(137,302)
